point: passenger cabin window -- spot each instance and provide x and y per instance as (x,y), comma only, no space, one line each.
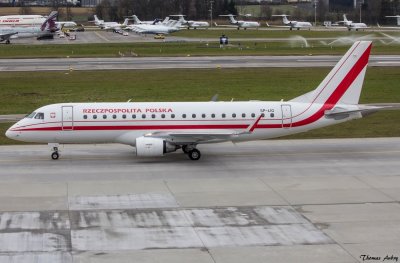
(184,116)
(114,116)
(253,115)
(223,115)
(203,115)
(233,115)
(213,115)
(163,116)
(172,116)
(272,115)
(134,116)
(153,116)
(193,116)
(39,116)
(143,116)
(104,116)
(243,115)
(94,116)
(124,116)
(85,117)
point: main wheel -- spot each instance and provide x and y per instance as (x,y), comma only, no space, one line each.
(8,41)
(194,154)
(185,149)
(55,156)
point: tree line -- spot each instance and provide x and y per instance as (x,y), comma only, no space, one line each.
(116,10)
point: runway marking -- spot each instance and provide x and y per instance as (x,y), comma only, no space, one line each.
(102,37)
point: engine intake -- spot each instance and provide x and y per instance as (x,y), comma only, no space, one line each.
(147,146)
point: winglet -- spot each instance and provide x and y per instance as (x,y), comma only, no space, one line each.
(252,126)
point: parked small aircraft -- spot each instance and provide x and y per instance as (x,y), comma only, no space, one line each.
(241,23)
(294,24)
(190,23)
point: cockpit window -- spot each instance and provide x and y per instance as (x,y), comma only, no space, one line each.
(39,116)
(30,116)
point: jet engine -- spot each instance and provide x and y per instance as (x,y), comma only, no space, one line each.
(146,146)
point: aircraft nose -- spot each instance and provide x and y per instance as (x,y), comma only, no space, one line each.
(9,134)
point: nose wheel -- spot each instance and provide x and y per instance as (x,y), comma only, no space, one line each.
(55,155)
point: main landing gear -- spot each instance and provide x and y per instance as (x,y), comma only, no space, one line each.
(55,154)
(192,152)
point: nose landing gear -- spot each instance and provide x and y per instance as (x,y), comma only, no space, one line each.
(55,154)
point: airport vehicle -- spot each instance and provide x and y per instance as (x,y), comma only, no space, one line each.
(241,23)
(294,24)
(350,25)
(157,128)
(159,36)
(47,29)
(190,23)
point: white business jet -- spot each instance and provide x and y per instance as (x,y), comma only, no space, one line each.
(109,25)
(161,28)
(294,24)
(157,128)
(241,23)
(350,25)
(191,23)
(137,21)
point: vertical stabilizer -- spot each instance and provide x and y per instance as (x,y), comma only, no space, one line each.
(344,83)
(232,19)
(50,23)
(285,20)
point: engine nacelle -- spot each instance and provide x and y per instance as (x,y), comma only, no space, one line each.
(147,146)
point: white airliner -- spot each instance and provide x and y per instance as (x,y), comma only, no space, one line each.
(157,128)
(350,25)
(241,23)
(47,28)
(30,20)
(294,24)
(190,23)
(21,20)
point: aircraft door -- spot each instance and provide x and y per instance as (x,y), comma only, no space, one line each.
(67,118)
(286,116)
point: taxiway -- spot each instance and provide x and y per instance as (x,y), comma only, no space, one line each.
(65,64)
(265,201)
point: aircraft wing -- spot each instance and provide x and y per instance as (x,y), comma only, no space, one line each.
(194,137)
(5,37)
(201,136)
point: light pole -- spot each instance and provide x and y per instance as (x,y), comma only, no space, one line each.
(361,2)
(211,12)
(315,12)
